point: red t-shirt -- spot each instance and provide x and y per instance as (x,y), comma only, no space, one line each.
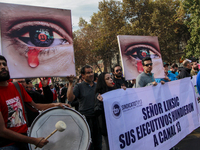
(12,109)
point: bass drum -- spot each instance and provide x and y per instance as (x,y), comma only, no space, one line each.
(75,137)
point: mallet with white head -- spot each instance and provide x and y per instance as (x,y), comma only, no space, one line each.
(60,126)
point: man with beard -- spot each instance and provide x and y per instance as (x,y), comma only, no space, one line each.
(195,68)
(85,93)
(13,128)
(146,78)
(118,79)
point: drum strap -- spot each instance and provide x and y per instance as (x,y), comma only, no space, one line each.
(19,90)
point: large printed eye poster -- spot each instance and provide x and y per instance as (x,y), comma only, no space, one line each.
(0,40)
(133,49)
(37,41)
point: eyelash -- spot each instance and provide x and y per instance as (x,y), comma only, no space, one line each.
(20,29)
(135,48)
(45,51)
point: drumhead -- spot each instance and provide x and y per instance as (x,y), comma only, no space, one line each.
(75,137)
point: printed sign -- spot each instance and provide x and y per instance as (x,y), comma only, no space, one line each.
(133,49)
(159,116)
(37,41)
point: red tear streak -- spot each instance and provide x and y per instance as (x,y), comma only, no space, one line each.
(139,66)
(33,60)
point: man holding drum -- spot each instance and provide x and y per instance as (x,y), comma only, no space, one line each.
(13,126)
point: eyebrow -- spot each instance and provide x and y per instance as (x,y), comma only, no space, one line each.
(35,14)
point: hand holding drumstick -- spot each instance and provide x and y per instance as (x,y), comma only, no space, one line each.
(60,126)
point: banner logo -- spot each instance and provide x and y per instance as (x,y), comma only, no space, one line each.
(116,110)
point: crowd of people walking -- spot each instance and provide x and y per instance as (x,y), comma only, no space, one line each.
(83,94)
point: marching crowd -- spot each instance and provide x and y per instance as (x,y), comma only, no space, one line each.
(84,95)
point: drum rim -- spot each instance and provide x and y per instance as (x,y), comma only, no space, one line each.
(52,108)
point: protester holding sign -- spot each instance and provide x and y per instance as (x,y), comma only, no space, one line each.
(37,41)
(104,84)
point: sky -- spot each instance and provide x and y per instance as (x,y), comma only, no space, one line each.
(79,8)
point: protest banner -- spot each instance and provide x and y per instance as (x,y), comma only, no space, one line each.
(153,117)
(133,49)
(37,41)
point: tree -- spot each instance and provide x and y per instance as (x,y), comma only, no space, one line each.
(158,18)
(193,23)
(83,44)
(98,40)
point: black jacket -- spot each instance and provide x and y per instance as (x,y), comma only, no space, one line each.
(185,72)
(120,82)
(64,94)
(99,112)
(38,98)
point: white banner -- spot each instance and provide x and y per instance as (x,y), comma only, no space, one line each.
(153,117)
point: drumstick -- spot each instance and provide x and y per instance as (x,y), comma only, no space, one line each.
(60,126)
(51,134)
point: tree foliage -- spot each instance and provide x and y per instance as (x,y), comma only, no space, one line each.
(99,37)
(97,40)
(192,7)
(160,18)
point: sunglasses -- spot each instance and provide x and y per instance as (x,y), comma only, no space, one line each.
(89,72)
(3,63)
(148,64)
(119,70)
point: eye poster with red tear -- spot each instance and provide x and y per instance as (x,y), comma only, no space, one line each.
(37,41)
(0,41)
(133,49)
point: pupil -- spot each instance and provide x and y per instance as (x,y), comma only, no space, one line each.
(41,37)
(143,52)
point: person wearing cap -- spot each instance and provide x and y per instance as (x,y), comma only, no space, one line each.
(168,76)
(185,71)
